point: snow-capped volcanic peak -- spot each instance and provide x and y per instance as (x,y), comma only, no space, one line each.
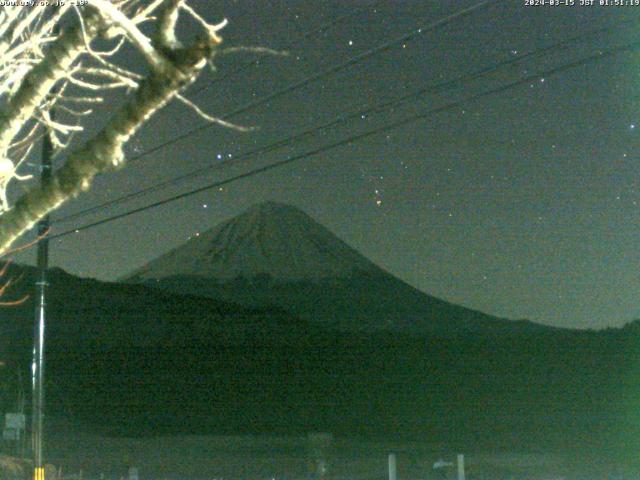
(270,238)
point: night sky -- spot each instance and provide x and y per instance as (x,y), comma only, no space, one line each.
(523,204)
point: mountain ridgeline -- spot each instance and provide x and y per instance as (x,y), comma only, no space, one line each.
(275,254)
(269,323)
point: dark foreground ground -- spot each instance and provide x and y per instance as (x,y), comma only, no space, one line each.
(128,361)
(293,457)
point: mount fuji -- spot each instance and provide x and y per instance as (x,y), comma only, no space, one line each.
(302,333)
(274,254)
(270,239)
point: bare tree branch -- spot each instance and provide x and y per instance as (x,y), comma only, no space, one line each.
(42,68)
(104,152)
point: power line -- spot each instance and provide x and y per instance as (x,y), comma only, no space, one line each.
(377,108)
(317,76)
(353,60)
(354,138)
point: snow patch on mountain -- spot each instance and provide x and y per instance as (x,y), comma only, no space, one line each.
(270,238)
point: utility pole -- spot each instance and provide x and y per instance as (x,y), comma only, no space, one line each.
(22,442)
(37,367)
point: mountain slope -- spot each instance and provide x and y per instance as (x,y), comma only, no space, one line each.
(134,360)
(275,254)
(269,239)
(86,313)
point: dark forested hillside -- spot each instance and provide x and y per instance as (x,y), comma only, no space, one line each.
(133,360)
